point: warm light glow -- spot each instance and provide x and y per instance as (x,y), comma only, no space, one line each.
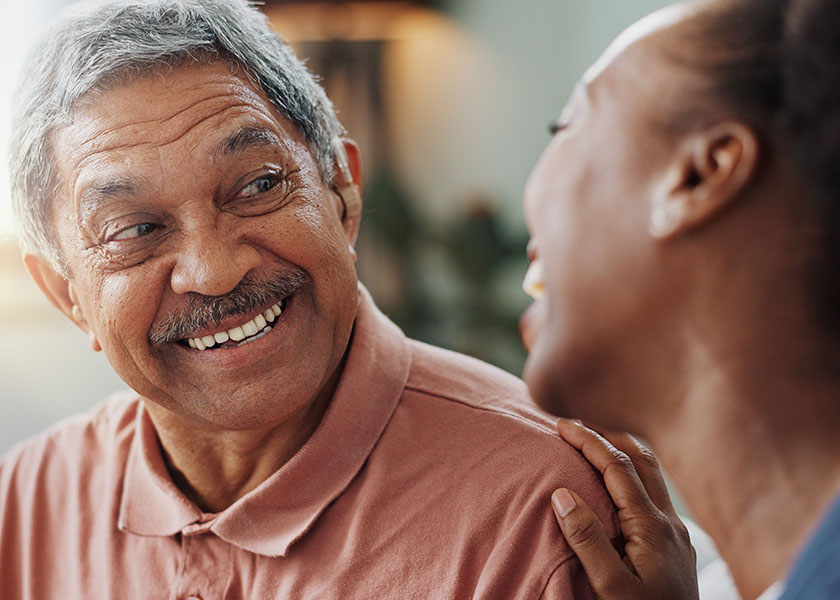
(350,21)
(435,78)
(19,27)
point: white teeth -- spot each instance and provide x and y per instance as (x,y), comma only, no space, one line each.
(258,324)
(534,284)
(250,328)
(256,337)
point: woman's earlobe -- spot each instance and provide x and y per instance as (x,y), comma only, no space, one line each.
(669,208)
(666,220)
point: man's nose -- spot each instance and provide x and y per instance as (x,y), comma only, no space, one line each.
(212,264)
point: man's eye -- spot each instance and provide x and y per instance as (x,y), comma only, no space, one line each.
(135,231)
(263,195)
(258,186)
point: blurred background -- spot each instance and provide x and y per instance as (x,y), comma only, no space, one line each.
(449,101)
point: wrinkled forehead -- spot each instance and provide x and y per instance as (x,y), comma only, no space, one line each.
(166,90)
(637,34)
(163,106)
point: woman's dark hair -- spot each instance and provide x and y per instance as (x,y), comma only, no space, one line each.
(775,65)
(811,84)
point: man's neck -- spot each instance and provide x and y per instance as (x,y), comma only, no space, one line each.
(214,467)
(757,476)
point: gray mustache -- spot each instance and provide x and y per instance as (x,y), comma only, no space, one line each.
(205,311)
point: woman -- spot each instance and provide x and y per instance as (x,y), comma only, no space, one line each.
(685,225)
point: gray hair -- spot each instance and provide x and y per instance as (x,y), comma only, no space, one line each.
(97,43)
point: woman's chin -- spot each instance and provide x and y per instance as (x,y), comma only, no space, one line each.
(531,323)
(540,374)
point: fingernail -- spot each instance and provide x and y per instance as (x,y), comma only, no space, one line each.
(563,503)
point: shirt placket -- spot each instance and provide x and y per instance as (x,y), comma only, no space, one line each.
(205,560)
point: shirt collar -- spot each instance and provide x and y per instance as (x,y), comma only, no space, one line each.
(269,519)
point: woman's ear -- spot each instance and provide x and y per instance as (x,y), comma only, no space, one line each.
(709,173)
(60,292)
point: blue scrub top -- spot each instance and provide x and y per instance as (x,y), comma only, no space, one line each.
(816,573)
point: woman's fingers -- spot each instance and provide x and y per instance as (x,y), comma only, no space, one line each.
(623,483)
(660,561)
(646,465)
(608,575)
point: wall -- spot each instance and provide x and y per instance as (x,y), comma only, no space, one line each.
(492,102)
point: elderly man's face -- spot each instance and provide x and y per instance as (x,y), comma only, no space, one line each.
(190,210)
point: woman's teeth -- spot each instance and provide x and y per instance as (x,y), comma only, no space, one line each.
(534,284)
(242,333)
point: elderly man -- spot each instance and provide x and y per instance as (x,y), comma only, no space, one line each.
(186,200)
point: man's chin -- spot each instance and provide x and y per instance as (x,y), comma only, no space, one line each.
(231,412)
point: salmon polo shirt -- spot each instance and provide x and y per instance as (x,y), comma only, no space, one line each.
(428,477)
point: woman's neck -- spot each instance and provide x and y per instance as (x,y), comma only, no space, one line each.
(757,464)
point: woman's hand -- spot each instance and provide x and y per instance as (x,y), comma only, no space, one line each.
(659,561)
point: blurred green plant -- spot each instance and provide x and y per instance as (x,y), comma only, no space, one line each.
(455,285)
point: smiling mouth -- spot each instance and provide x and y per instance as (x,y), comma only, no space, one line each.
(534,282)
(240,335)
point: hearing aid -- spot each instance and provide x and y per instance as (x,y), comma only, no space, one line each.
(350,191)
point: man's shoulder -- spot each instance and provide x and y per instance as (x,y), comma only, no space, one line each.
(475,406)
(75,442)
(468,450)
(479,425)
(461,379)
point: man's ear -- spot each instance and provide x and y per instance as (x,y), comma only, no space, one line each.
(708,174)
(347,186)
(60,292)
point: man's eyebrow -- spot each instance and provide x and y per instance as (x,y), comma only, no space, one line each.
(249,137)
(100,192)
